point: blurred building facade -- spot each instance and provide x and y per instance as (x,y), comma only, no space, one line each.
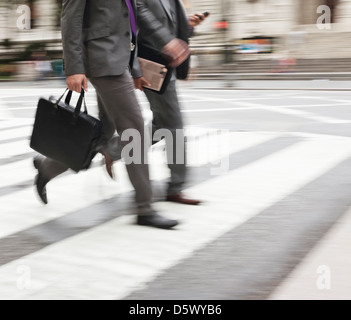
(300,26)
(44,20)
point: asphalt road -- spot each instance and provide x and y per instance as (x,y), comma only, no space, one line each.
(284,181)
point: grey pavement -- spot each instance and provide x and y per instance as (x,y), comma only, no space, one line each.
(274,226)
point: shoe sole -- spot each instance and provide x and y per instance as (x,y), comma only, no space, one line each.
(186,203)
(155,226)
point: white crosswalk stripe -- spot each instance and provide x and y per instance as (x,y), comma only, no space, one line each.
(13,149)
(15,133)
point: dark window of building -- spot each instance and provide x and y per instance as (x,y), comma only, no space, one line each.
(332,4)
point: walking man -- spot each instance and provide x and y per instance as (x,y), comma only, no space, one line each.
(165,27)
(99,41)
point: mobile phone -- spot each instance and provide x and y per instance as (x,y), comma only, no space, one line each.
(206,14)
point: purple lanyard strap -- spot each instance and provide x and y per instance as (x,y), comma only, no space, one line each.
(132,17)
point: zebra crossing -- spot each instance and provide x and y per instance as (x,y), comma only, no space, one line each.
(85,245)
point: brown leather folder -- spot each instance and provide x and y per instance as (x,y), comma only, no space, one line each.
(154,67)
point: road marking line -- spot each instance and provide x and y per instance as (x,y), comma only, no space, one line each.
(15,133)
(12,149)
(280,109)
(4,114)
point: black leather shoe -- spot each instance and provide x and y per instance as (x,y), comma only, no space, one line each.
(40,182)
(157,221)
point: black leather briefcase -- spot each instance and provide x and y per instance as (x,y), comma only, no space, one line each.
(65,133)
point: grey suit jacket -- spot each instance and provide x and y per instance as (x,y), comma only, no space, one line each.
(96,37)
(156,27)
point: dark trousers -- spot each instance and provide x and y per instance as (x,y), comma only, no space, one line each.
(167,115)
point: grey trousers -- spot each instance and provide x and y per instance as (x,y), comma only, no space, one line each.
(118,110)
(167,115)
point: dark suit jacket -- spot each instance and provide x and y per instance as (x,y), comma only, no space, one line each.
(156,27)
(96,37)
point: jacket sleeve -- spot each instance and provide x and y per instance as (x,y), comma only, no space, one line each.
(72,36)
(136,70)
(191,30)
(158,32)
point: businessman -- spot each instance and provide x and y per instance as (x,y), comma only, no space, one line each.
(164,26)
(99,44)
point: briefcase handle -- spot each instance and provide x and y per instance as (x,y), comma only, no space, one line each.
(79,102)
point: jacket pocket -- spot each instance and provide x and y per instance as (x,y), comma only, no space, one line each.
(94,33)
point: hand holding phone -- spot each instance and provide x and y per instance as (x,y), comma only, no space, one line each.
(196,19)
(205,14)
